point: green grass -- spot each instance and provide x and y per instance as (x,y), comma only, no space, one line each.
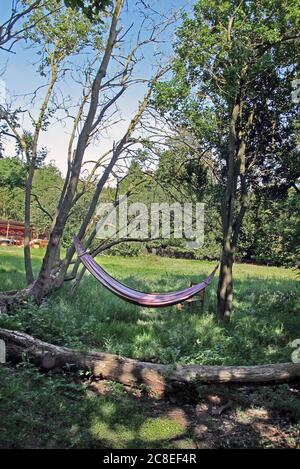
(266,313)
(48,410)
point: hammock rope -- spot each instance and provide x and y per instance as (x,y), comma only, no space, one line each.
(150,300)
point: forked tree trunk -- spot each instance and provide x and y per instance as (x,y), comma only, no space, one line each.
(46,281)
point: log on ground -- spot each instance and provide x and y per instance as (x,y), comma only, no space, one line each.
(159,378)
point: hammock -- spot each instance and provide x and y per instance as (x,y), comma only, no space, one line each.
(150,300)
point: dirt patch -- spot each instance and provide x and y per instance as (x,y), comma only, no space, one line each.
(180,416)
(229,418)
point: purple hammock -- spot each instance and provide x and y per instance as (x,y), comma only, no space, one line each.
(150,300)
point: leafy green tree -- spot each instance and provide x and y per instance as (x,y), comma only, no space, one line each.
(59,33)
(17,26)
(276,220)
(12,183)
(232,86)
(12,173)
(92,9)
(46,188)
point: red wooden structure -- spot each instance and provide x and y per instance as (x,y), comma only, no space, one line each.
(14,231)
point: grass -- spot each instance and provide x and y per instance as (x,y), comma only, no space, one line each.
(266,313)
(50,410)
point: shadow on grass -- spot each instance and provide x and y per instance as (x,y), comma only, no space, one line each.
(266,315)
(265,320)
(52,411)
(48,410)
(58,411)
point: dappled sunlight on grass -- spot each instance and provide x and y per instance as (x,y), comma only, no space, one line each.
(164,427)
(266,313)
(138,432)
(53,410)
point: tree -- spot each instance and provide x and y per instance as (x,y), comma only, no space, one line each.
(46,187)
(104,77)
(11,30)
(61,33)
(233,71)
(90,8)
(12,182)
(12,173)
(17,26)
(276,219)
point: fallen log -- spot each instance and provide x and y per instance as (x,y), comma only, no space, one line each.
(159,378)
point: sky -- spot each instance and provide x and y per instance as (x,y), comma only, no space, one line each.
(19,72)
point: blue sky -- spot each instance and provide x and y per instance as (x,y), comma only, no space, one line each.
(21,78)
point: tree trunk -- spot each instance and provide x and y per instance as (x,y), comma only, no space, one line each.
(161,379)
(27,256)
(102,181)
(32,160)
(46,281)
(234,206)
(225,286)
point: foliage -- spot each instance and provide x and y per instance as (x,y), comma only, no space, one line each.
(126,249)
(283,238)
(90,8)
(47,183)
(267,242)
(12,173)
(61,32)
(231,90)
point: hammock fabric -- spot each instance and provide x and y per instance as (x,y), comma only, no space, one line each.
(150,300)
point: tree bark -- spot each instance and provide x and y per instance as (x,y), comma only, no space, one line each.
(46,281)
(102,181)
(27,214)
(225,285)
(160,379)
(32,167)
(234,206)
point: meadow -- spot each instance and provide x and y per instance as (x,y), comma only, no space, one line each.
(265,320)
(67,410)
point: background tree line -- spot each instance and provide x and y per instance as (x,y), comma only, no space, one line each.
(270,233)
